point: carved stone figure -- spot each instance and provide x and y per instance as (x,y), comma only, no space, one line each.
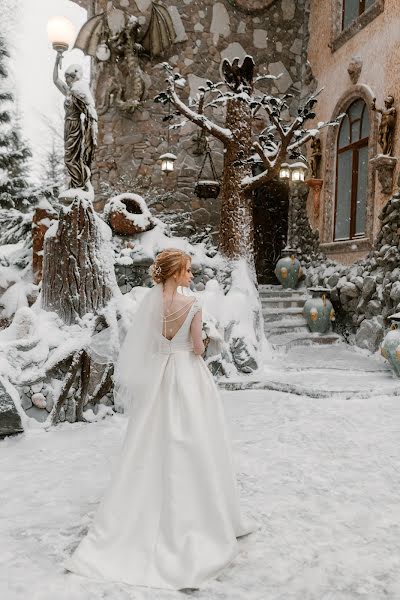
(118,50)
(128,85)
(387,124)
(354,69)
(315,159)
(80,128)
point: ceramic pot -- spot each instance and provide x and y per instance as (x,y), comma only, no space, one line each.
(390,348)
(318,310)
(288,269)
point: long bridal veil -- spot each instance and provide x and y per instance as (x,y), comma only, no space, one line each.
(134,359)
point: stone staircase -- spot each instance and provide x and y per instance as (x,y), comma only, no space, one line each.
(284,324)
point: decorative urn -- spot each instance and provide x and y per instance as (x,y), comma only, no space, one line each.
(288,269)
(318,310)
(390,348)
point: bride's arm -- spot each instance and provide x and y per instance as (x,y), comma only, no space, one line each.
(196,331)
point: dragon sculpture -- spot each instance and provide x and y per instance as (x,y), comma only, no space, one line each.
(116,38)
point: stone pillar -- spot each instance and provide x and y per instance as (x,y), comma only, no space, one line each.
(300,235)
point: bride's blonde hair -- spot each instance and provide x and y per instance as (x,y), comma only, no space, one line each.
(167,263)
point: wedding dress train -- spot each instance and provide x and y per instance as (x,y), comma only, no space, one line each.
(170,516)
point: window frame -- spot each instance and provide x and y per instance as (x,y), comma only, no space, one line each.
(361,10)
(340,36)
(355,148)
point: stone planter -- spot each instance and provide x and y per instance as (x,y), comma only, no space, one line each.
(288,269)
(127,214)
(318,310)
(390,348)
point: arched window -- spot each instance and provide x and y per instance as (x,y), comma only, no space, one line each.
(352,172)
(352,9)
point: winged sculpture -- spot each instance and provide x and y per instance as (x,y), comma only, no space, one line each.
(117,38)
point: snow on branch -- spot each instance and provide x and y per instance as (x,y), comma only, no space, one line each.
(199,119)
(280,139)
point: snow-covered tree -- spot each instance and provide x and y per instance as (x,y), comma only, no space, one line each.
(54,169)
(279,140)
(14,152)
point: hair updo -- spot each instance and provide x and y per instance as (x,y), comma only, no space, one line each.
(167,263)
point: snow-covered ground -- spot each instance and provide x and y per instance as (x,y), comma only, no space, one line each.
(322,477)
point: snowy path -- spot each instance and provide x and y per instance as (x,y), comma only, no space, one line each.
(321,476)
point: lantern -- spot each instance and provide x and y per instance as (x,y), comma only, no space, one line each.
(61,33)
(167,162)
(298,171)
(284,172)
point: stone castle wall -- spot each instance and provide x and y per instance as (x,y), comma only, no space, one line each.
(273,32)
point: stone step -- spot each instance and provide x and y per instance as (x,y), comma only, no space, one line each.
(284,302)
(285,341)
(278,291)
(286,326)
(273,314)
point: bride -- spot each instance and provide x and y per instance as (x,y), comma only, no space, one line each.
(170,517)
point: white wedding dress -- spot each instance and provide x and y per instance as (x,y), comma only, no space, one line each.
(170,516)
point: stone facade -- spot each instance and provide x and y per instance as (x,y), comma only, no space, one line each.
(367,292)
(127,158)
(360,62)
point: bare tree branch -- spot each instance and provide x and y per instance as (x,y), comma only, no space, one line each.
(224,135)
(261,153)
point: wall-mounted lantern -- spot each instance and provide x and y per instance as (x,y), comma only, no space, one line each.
(167,162)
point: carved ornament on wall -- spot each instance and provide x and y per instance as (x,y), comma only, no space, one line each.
(354,68)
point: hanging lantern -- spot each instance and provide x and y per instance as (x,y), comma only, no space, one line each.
(61,33)
(298,170)
(284,172)
(167,162)
(207,188)
(103,52)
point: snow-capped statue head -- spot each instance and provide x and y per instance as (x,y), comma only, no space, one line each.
(73,73)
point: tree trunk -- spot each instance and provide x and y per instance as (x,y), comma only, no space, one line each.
(236,238)
(77,278)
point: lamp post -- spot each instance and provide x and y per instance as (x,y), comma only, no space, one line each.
(288,268)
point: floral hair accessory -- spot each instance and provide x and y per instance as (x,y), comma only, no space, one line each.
(157,270)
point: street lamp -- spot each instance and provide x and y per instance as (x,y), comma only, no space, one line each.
(167,162)
(61,33)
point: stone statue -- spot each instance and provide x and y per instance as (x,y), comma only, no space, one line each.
(128,86)
(315,159)
(119,51)
(387,124)
(80,128)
